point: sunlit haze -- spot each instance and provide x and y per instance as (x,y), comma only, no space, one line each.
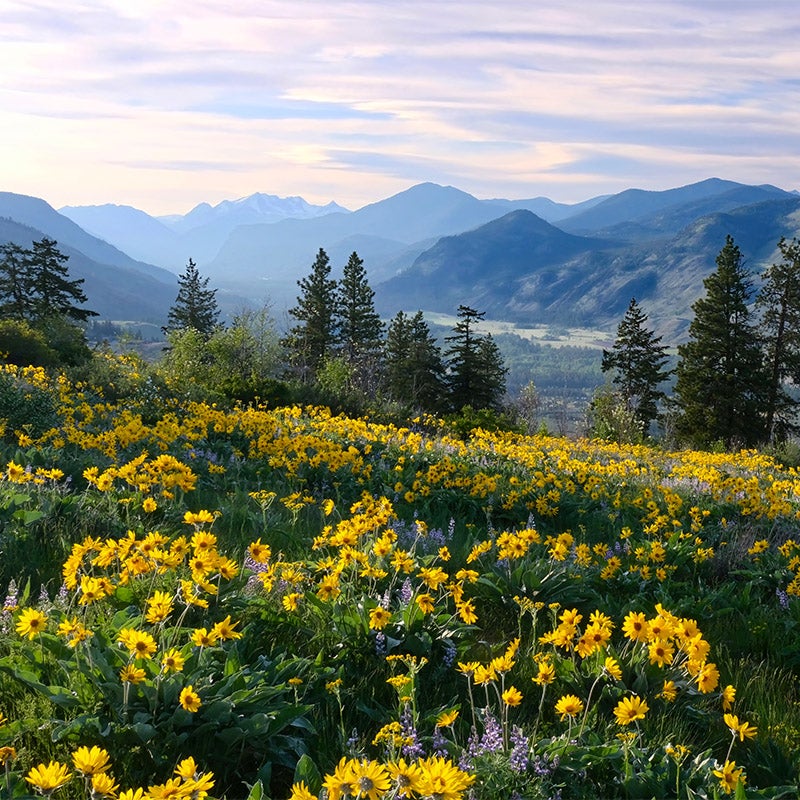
(162,105)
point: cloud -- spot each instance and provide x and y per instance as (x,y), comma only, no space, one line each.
(354,100)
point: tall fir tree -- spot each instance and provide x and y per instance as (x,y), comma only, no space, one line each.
(312,340)
(35,284)
(359,328)
(17,295)
(638,359)
(779,302)
(476,373)
(195,306)
(720,375)
(414,372)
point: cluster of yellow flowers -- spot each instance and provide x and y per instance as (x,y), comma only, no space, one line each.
(93,765)
(365,778)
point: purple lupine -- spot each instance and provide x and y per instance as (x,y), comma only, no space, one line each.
(520,747)
(439,743)
(414,748)
(492,739)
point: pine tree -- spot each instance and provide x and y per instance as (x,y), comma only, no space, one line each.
(195,306)
(779,300)
(720,378)
(639,359)
(476,373)
(17,297)
(35,284)
(312,340)
(413,364)
(360,330)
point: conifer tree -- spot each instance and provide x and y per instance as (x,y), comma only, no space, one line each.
(779,301)
(195,306)
(360,330)
(720,378)
(313,338)
(413,364)
(35,284)
(476,373)
(17,297)
(638,359)
(56,294)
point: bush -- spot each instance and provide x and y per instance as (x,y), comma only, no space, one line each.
(23,345)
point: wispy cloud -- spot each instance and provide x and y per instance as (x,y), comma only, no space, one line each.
(165,104)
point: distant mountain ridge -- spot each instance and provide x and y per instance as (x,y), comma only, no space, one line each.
(434,247)
(170,241)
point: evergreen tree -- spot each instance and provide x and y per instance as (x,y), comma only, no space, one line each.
(476,373)
(35,284)
(17,296)
(195,306)
(312,340)
(719,388)
(56,294)
(779,300)
(360,330)
(639,359)
(413,364)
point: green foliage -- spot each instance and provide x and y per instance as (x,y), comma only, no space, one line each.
(359,327)
(313,338)
(241,362)
(25,408)
(638,361)
(22,344)
(35,284)
(469,419)
(615,418)
(414,372)
(779,298)
(195,306)
(476,374)
(720,378)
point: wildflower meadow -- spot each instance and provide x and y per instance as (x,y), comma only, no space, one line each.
(253,602)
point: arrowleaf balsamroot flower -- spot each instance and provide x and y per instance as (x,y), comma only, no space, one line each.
(741,729)
(31,622)
(172,661)
(729,776)
(189,699)
(629,709)
(340,783)
(371,779)
(512,696)
(405,776)
(442,779)
(90,760)
(612,668)
(225,629)
(301,792)
(47,778)
(446,718)
(104,785)
(569,706)
(378,618)
(140,644)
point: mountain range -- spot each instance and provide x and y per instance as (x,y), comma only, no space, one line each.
(532,262)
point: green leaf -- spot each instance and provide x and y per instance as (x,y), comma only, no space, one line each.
(144,731)
(28,515)
(256,792)
(306,770)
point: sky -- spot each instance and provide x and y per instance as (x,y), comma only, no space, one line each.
(163,104)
